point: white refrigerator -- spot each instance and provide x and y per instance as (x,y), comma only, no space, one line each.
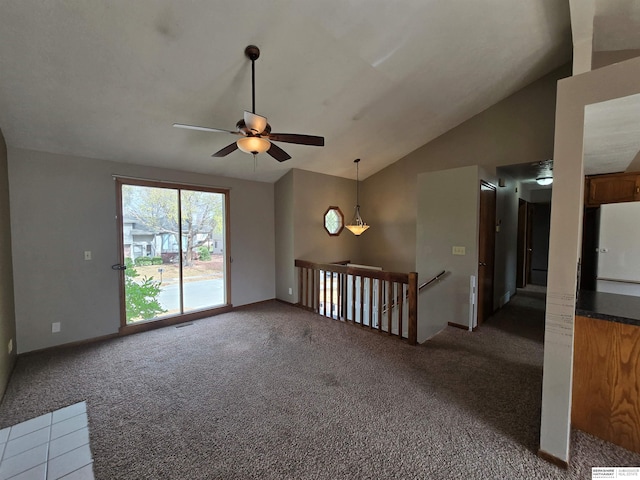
(619,249)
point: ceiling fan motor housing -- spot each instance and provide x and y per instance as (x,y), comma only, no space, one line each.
(252,52)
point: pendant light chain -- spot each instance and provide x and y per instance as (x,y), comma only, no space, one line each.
(357,226)
(358,183)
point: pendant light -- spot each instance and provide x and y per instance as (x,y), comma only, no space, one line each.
(357,226)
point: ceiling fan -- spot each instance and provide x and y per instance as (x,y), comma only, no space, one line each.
(254,131)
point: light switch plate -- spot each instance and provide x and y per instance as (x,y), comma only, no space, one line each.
(458,250)
(87,254)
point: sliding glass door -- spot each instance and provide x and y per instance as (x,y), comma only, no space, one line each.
(173,245)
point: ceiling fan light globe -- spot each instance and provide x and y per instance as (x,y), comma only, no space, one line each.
(254,145)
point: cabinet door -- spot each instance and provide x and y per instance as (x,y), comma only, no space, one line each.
(613,189)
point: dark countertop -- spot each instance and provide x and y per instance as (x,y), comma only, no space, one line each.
(609,306)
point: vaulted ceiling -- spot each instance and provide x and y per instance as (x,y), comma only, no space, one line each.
(377,79)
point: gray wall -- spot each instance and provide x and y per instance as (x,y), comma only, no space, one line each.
(448,202)
(518,129)
(314,193)
(62,206)
(302,198)
(285,272)
(7,312)
(601,59)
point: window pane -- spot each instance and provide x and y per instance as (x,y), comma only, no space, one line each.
(203,249)
(152,281)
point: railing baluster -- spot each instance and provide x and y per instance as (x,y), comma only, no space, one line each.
(331,296)
(316,290)
(306,291)
(380,283)
(309,288)
(389,307)
(344,296)
(323,277)
(413,309)
(371,303)
(361,299)
(400,304)
(338,296)
(353,298)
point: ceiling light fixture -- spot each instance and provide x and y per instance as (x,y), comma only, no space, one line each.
(357,225)
(253,145)
(544,180)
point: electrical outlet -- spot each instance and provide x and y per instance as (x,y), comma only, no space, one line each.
(55,327)
(290,291)
(87,254)
(10,346)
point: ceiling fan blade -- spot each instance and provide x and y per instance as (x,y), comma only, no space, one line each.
(226,150)
(204,129)
(295,138)
(255,123)
(277,153)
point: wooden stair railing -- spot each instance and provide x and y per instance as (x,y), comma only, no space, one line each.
(358,295)
(420,288)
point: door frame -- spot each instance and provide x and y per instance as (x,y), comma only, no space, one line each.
(182,317)
(524,251)
(486,238)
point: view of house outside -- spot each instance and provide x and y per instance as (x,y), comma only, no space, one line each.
(173,244)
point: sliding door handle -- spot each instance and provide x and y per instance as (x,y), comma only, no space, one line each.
(118,266)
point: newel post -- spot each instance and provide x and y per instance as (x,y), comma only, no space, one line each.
(412,335)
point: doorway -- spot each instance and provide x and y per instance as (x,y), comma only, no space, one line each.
(534,220)
(173,241)
(486,250)
(523,274)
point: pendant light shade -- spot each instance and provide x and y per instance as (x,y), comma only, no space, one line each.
(357,225)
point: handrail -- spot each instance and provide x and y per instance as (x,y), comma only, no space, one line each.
(341,262)
(424,285)
(434,279)
(362,272)
(314,288)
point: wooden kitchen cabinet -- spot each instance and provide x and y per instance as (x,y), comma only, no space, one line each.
(606,381)
(612,188)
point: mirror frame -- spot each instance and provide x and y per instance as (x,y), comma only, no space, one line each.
(340,217)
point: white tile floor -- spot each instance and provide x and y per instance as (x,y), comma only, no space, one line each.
(50,447)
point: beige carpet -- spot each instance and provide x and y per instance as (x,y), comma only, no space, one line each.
(271,391)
